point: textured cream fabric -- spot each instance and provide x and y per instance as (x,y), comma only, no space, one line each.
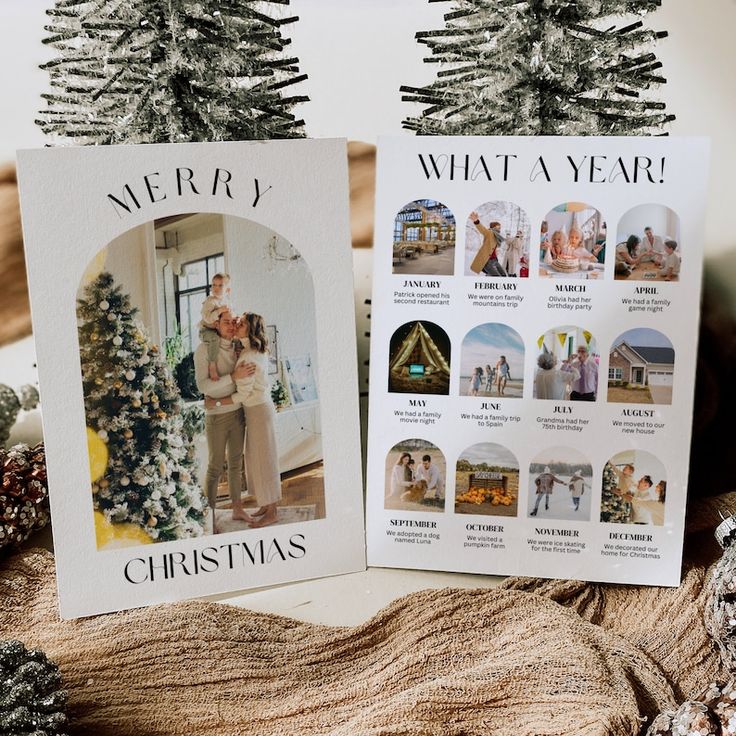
(446,662)
(538,657)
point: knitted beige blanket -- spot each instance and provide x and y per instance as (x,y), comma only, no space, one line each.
(537,657)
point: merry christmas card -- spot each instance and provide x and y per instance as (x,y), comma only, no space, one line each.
(199,396)
(534,325)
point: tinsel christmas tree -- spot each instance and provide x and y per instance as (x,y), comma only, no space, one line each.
(541,67)
(614,509)
(32,702)
(132,403)
(168,71)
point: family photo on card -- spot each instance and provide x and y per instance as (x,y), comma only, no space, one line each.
(190,341)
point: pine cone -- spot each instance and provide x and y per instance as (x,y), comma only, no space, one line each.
(24,505)
(31,703)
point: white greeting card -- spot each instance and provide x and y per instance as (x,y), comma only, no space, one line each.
(184,302)
(534,323)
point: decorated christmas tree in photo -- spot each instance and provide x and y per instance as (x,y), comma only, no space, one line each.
(544,67)
(142,466)
(153,71)
(614,508)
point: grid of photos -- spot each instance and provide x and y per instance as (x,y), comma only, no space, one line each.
(641,368)
(415,477)
(497,238)
(424,239)
(648,246)
(492,362)
(572,242)
(634,489)
(567,365)
(200,382)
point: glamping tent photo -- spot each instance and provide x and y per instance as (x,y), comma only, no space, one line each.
(419,359)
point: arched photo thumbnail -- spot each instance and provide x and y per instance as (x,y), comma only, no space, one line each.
(487,481)
(415,477)
(567,365)
(497,241)
(424,239)
(572,242)
(641,368)
(560,485)
(419,359)
(634,489)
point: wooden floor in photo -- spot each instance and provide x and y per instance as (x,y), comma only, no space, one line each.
(303,499)
(645,272)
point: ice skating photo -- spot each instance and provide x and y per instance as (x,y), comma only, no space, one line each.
(424,239)
(572,242)
(416,475)
(641,368)
(497,241)
(634,489)
(560,485)
(199,381)
(648,244)
(492,362)
(487,481)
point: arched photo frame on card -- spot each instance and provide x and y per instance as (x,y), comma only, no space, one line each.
(183,363)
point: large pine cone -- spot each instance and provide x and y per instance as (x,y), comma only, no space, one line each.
(24,504)
(31,701)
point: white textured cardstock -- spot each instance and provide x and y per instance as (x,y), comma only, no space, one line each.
(533,478)
(297,189)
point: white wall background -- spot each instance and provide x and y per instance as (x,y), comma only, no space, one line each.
(280,291)
(127,259)
(358,52)
(664,222)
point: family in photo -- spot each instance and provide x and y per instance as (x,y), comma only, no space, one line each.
(231,369)
(210,423)
(572,242)
(490,379)
(415,477)
(634,489)
(560,484)
(648,244)
(492,362)
(567,366)
(497,241)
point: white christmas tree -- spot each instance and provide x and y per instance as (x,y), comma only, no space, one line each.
(132,403)
(541,67)
(168,71)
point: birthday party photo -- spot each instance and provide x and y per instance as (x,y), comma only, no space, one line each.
(197,344)
(567,365)
(572,242)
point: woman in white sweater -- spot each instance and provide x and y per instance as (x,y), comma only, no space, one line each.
(254,393)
